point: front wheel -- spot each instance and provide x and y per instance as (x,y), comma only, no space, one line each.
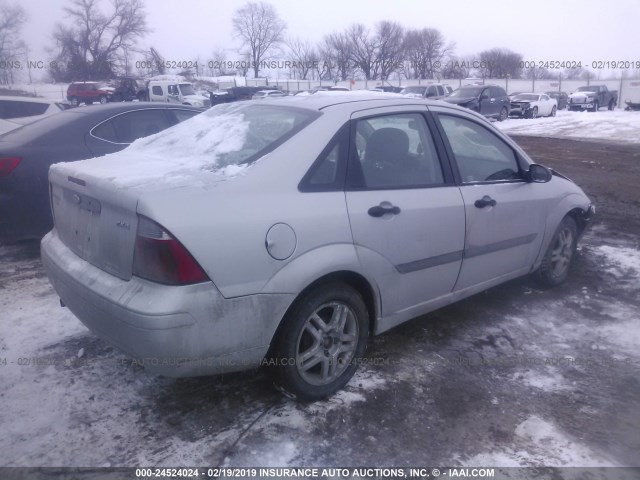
(596,106)
(553,112)
(103,100)
(74,101)
(612,105)
(559,255)
(503,114)
(323,336)
(534,112)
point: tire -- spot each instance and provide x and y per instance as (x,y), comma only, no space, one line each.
(504,114)
(553,112)
(534,112)
(596,106)
(557,260)
(612,105)
(319,345)
(103,100)
(74,101)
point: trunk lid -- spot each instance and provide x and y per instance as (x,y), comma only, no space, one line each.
(96,220)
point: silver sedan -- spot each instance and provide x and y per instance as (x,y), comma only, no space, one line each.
(284,233)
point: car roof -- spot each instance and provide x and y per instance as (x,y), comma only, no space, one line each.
(358,98)
(81,115)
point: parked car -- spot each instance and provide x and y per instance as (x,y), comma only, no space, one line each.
(488,100)
(27,152)
(262,94)
(434,92)
(284,232)
(592,97)
(16,111)
(392,89)
(511,95)
(88,93)
(560,97)
(533,105)
(127,89)
(172,91)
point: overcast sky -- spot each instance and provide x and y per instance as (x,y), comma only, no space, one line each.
(579,30)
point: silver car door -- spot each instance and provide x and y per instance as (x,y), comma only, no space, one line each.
(505,215)
(406,215)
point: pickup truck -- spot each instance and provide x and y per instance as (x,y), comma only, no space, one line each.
(592,97)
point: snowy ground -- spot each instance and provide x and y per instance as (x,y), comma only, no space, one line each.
(515,376)
(614,125)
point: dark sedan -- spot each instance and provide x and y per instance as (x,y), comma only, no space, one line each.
(488,100)
(27,152)
(561,97)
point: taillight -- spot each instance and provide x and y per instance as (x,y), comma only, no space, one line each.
(161,258)
(7,165)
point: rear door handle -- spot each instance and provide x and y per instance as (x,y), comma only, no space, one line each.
(485,201)
(379,210)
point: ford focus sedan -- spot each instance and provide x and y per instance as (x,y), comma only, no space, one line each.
(285,232)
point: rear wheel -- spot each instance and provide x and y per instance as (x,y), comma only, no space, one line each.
(317,349)
(559,255)
(612,104)
(103,100)
(504,113)
(74,101)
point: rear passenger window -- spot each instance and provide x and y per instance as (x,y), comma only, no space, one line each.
(395,151)
(127,127)
(17,109)
(157,90)
(480,155)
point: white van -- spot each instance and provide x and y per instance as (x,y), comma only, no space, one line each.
(176,92)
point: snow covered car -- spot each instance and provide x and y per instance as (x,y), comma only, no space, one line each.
(434,92)
(285,232)
(533,105)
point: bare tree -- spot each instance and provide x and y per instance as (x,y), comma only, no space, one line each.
(500,62)
(390,47)
(218,63)
(539,74)
(12,18)
(91,46)
(363,50)
(260,29)
(426,51)
(304,55)
(459,67)
(336,53)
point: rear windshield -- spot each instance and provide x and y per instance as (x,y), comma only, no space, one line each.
(465,92)
(227,134)
(418,90)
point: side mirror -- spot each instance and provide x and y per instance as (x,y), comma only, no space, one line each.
(538,174)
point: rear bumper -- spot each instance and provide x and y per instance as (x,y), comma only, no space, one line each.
(174,331)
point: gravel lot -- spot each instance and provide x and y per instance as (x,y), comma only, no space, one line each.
(513,376)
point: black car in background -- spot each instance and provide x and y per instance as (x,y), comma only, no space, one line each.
(488,100)
(77,134)
(561,97)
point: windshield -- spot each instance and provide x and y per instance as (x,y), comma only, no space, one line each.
(526,97)
(414,89)
(466,92)
(227,134)
(187,89)
(587,89)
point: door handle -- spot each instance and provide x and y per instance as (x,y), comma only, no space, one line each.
(485,201)
(379,210)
